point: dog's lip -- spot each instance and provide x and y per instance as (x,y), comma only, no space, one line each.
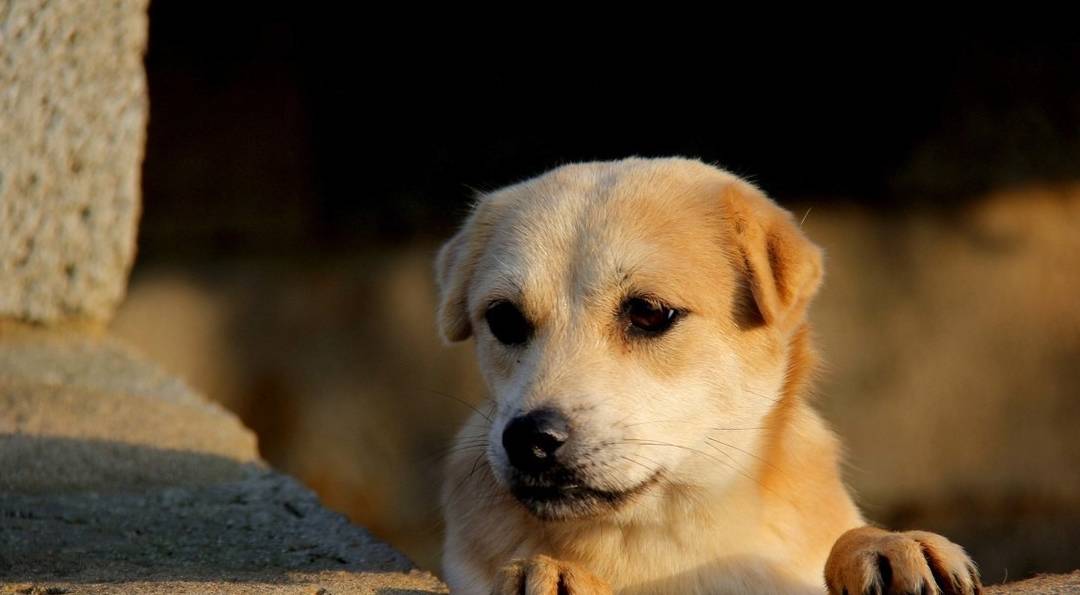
(572,492)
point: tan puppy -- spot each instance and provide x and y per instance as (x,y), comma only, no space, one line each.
(641,327)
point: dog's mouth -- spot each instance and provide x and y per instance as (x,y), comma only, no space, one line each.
(570,499)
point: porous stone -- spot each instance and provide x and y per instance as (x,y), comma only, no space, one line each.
(73,110)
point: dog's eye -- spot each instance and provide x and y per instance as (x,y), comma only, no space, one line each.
(508,324)
(648,317)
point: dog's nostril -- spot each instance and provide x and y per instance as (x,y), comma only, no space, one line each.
(531,440)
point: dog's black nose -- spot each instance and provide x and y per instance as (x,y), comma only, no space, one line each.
(531,440)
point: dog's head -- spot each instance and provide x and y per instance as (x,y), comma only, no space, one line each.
(632,322)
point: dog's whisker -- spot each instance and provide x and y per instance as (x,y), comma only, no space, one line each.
(693,423)
(459,400)
(478,426)
(481,436)
(730,465)
(669,444)
(472,442)
(656,465)
(737,464)
(723,452)
(639,463)
(681,420)
(443,454)
(469,444)
(761,395)
(748,453)
(468,476)
(738,429)
(734,466)
(467,447)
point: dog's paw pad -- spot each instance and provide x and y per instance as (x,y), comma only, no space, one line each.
(869,561)
(541,575)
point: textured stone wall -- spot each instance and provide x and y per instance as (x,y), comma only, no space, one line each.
(73,114)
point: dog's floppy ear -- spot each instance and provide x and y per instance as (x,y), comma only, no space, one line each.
(454,267)
(452,272)
(783,267)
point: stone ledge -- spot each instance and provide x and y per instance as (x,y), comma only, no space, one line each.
(1048,584)
(256,535)
(116,478)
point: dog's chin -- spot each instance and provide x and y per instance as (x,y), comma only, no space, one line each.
(561,502)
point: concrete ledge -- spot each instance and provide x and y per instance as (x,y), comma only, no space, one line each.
(115,478)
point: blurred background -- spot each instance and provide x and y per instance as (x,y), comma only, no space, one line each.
(304,164)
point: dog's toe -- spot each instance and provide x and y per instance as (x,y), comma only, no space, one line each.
(869,561)
(953,570)
(542,575)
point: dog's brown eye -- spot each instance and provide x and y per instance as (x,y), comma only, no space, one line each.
(508,324)
(647,317)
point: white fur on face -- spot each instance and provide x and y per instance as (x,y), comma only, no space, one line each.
(681,406)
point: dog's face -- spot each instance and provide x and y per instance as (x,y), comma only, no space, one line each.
(631,321)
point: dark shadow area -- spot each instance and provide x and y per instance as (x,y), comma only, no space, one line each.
(281,127)
(119,527)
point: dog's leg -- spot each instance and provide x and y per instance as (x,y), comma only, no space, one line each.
(541,575)
(871,560)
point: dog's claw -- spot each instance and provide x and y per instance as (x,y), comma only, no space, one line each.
(873,561)
(542,575)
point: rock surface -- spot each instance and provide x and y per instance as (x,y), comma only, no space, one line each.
(1050,584)
(72,127)
(115,478)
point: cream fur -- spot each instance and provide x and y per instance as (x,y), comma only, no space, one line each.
(749,497)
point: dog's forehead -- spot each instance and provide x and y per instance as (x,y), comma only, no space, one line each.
(581,229)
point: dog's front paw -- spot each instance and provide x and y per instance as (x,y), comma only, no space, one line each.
(868,560)
(541,575)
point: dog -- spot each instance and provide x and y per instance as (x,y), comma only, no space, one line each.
(641,327)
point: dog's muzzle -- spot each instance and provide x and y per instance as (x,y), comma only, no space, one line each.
(548,486)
